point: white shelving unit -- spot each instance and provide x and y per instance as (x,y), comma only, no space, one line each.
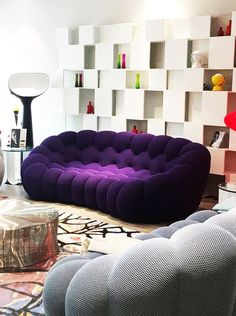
(171,99)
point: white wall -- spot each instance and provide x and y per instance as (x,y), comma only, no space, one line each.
(27,37)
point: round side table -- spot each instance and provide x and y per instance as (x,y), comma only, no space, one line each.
(226,190)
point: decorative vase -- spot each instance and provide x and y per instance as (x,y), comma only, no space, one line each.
(220,32)
(118,64)
(228,28)
(80,80)
(137,82)
(134,130)
(90,108)
(76,80)
(123,61)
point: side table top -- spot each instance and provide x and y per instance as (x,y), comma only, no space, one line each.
(228,186)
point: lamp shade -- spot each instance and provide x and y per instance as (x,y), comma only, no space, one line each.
(230,120)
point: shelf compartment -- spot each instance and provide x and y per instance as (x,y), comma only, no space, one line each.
(141,125)
(194,107)
(156,126)
(122,49)
(85,95)
(75,100)
(67,36)
(228,74)
(157,79)
(153,104)
(221,52)
(131,79)
(174,106)
(157,55)
(209,132)
(174,129)
(118,102)
(230,158)
(201,45)
(219,21)
(69,77)
(193,131)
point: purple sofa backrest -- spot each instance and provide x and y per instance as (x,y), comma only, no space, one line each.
(142,151)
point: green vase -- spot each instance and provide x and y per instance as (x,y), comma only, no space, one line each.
(118,63)
(137,82)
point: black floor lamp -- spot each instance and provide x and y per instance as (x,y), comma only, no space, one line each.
(28,86)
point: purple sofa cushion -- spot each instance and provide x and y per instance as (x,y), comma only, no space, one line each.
(136,177)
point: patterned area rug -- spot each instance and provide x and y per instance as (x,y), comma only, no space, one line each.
(21,292)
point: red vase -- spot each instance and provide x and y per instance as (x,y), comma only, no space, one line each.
(90,108)
(228,28)
(220,32)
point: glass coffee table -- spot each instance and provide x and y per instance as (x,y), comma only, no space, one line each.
(28,234)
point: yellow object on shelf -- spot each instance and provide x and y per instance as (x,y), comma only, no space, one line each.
(218,81)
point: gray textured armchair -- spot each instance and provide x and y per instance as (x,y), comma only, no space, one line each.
(190,272)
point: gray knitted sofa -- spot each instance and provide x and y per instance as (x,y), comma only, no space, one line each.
(186,269)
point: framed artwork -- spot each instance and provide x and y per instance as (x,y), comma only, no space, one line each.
(217,139)
(18,138)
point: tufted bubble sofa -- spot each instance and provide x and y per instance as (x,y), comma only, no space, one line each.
(135,177)
(186,269)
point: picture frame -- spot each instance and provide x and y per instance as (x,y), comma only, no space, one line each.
(18,138)
(217,139)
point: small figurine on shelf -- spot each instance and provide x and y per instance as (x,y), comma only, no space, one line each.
(197,59)
(16,113)
(118,63)
(123,61)
(90,108)
(220,32)
(134,130)
(207,87)
(228,28)
(218,81)
(137,82)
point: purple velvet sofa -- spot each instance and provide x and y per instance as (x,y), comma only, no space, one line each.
(142,178)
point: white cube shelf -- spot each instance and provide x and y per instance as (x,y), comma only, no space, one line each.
(116,33)
(90,122)
(175,80)
(72,57)
(66,36)
(174,129)
(174,106)
(90,78)
(193,79)
(140,56)
(104,56)
(214,107)
(217,160)
(134,104)
(113,79)
(156,126)
(74,123)
(103,102)
(193,131)
(153,104)
(157,79)
(177,28)
(71,101)
(176,54)
(118,124)
(221,52)
(155,30)
(88,34)
(104,124)
(200,27)
(194,107)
